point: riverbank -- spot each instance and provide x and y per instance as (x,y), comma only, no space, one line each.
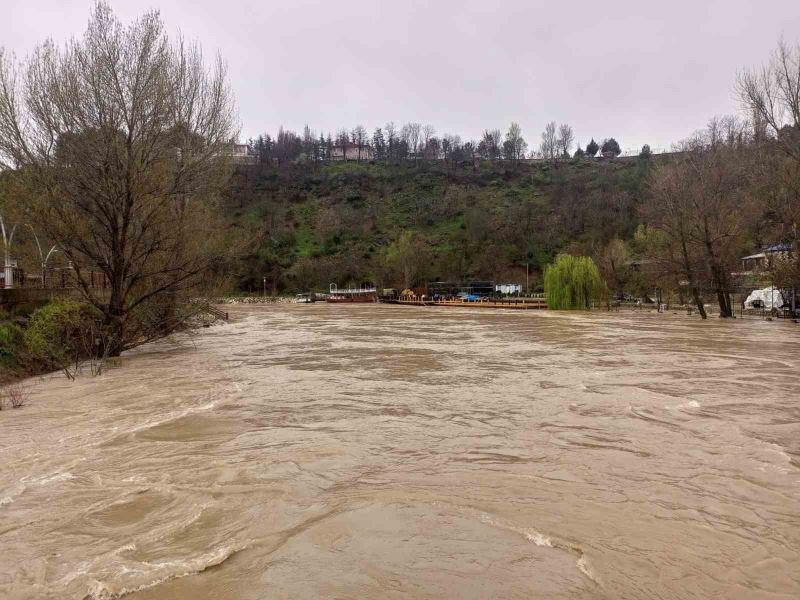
(65,335)
(252,300)
(447,453)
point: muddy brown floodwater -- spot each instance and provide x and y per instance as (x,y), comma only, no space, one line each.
(371,452)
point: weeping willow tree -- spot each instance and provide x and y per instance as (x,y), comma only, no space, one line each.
(572,282)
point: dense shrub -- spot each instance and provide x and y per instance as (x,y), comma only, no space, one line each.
(61,333)
(11,345)
(572,282)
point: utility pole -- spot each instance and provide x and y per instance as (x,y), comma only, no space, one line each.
(796,257)
(264,292)
(527,280)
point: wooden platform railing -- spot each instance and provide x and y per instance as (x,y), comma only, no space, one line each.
(510,303)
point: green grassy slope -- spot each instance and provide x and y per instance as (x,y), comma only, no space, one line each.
(313,224)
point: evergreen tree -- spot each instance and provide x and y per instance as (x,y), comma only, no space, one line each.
(592,148)
(646,152)
(610,146)
(323,155)
(329,147)
(343,142)
(308,142)
(579,153)
(379,144)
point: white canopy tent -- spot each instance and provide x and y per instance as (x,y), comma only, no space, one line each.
(769,298)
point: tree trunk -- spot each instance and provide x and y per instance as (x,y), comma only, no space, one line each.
(699,302)
(721,289)
(687,265)
(718,276)
(115,334)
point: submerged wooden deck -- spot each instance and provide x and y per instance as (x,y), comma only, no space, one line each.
(512,303)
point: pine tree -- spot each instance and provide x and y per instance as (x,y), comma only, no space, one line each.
(329,147)
(592,148)
(379,144)
(610,146)
(323,155)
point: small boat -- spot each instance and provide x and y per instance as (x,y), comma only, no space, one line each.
(303,299)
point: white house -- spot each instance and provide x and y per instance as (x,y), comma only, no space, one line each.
(241,154)
(350,152)
(764,260)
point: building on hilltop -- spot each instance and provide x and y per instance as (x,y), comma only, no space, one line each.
(241,154)
(351,152)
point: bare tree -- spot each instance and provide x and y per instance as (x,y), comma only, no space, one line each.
(411,134)
(490,144)
(772,94)
(704,197)
(719,201)
(727,130)
(391,140)
(565,140)
(549,145)
(426,134)
(669,212)
(360,139)
(343,141)
(514,143)
(121,137)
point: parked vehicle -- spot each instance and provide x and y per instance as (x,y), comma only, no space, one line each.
(466,297)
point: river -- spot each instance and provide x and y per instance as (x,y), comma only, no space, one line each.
(372,452)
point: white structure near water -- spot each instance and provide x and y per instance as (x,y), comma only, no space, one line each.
(768,298)
(508,288)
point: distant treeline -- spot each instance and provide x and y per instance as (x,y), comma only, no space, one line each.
(420,142)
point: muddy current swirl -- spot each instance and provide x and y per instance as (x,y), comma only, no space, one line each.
(326,451)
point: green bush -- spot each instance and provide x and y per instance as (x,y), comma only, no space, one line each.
(572,282)
(11,344)
(60,333)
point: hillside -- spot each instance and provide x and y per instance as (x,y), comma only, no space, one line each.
(399,224)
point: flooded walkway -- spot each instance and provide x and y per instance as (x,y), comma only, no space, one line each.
(333,451)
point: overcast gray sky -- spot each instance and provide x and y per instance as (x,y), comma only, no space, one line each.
(643,72)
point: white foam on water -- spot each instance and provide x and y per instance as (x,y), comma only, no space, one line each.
(684,405)
(544,541)
(23,484)
(161,572)
(583,567)
(539,539)
(44,480)
(12,494)
(173,416)
(775,449)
